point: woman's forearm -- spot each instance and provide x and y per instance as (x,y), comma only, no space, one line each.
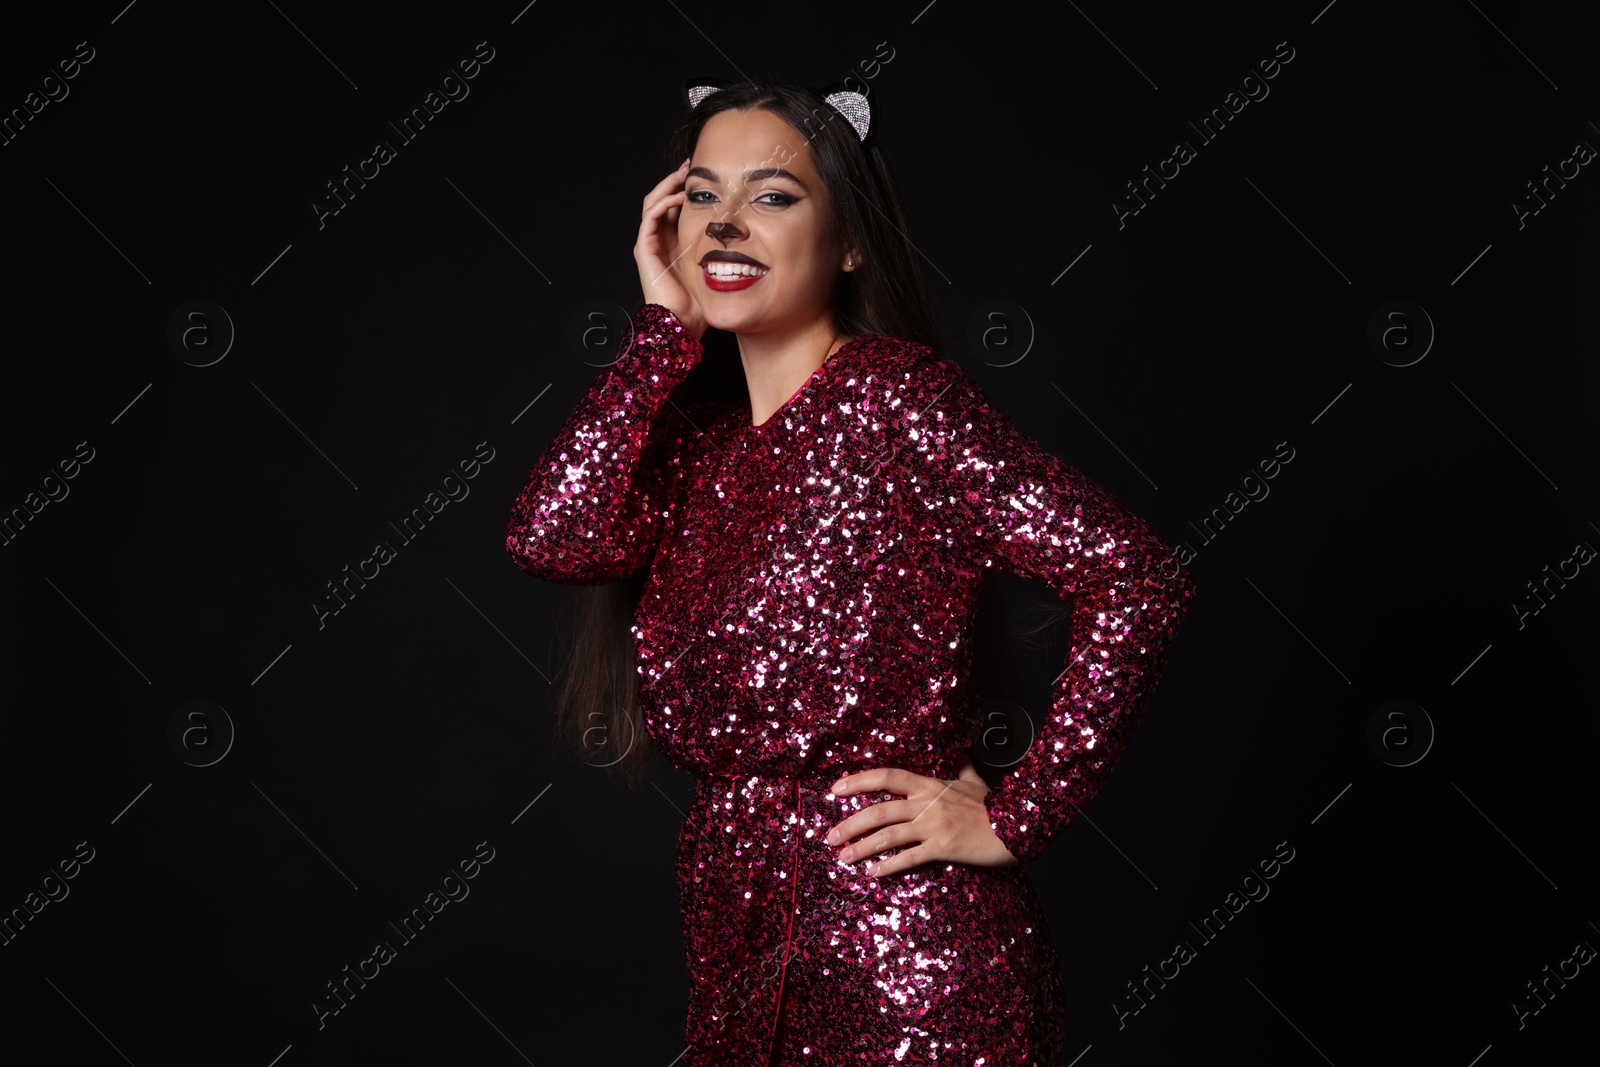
(592,508)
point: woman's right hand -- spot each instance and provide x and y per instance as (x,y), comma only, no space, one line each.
(657,252)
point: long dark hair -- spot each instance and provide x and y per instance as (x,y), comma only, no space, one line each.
(595,706)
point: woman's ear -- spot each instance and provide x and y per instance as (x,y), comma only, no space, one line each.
(852,259)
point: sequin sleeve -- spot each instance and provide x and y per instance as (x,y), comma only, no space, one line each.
(594,504)
(1014,504)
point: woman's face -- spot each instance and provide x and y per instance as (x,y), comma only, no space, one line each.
(753,173)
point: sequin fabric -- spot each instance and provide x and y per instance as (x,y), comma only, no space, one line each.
(808,612)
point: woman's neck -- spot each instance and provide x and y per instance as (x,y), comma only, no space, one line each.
(776,365)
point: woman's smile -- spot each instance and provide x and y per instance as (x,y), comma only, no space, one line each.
(727,272)
(728,278)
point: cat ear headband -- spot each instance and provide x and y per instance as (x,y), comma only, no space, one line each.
(852,105)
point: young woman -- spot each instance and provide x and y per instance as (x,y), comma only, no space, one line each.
(806,563)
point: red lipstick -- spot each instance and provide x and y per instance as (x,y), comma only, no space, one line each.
(730,281)
(729,285)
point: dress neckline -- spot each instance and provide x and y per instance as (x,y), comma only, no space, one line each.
(743,416)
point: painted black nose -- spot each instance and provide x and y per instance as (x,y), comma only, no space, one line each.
(721,230)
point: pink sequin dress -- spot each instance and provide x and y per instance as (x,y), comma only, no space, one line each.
(807,612)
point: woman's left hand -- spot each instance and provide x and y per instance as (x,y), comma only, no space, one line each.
(946,819)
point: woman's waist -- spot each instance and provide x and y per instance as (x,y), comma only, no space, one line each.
(748,838)
(813,750)
(821,777)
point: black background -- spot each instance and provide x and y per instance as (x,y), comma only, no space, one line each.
(373,353)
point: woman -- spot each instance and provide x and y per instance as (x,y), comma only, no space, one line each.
(852,891)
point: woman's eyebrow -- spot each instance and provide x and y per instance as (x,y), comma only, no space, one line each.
(761,174)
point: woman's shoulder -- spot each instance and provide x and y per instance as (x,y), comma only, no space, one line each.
(916,374)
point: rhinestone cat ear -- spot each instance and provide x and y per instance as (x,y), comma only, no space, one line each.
(853,106)
(697,89)
(698,93)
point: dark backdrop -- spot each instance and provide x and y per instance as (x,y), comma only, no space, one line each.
(1440,862)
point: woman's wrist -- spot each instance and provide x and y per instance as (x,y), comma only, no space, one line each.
(692,323)
(1005,823)
(658,341)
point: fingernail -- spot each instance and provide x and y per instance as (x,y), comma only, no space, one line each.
(833,837)
(838,787)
